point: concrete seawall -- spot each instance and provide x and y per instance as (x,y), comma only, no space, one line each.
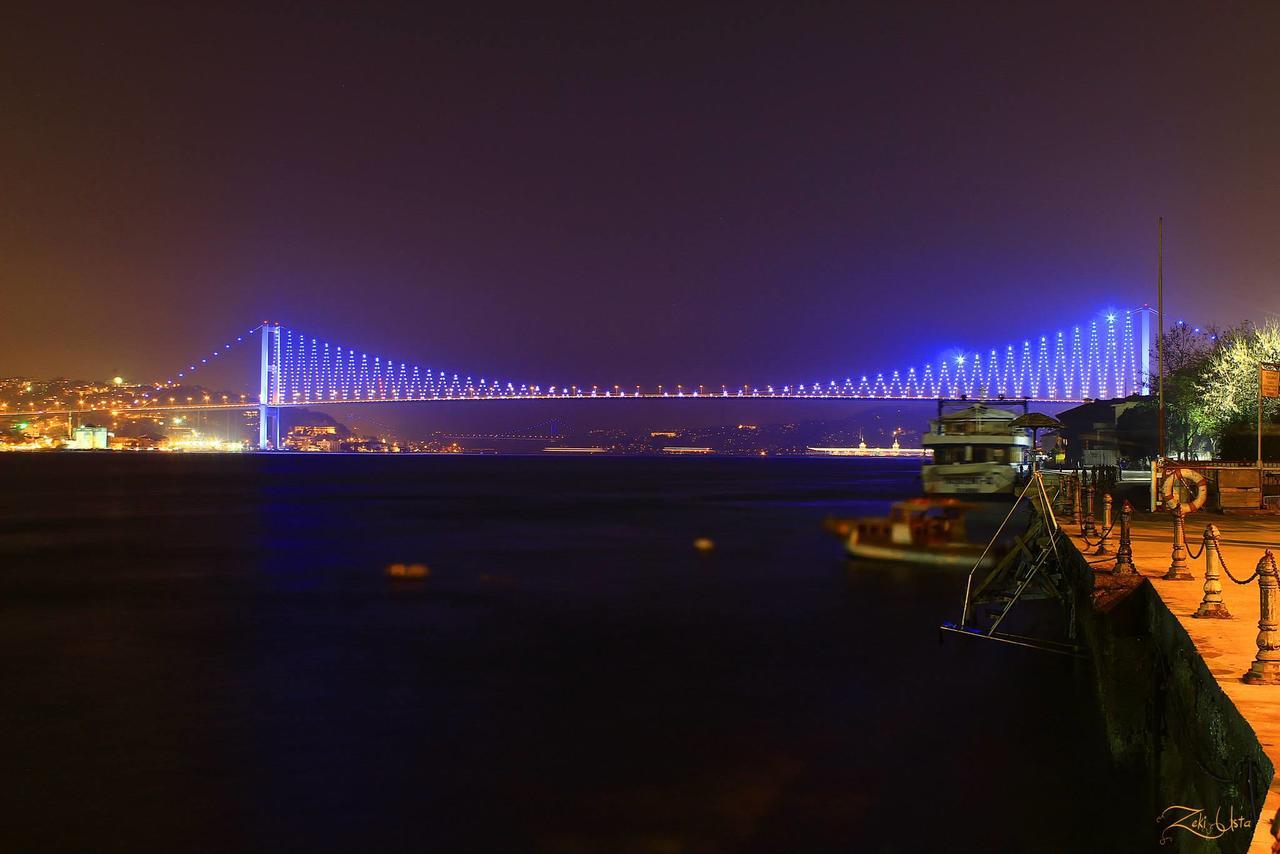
(1170,724)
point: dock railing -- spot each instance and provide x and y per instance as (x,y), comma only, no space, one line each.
(1265,669)
(1231,485)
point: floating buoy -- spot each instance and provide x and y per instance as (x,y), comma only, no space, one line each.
(703,544)
(408,570)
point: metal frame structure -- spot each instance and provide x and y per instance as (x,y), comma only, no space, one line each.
(1031,561)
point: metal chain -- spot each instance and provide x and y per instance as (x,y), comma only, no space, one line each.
(1102,536)
(1217,547)
(1204,543)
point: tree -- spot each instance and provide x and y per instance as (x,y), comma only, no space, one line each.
(1228,383)
(1187,350)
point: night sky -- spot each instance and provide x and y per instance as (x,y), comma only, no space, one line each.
(740,193)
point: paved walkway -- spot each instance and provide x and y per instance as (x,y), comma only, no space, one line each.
(1227,646)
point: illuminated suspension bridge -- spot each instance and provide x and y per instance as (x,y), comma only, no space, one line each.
(1102,358)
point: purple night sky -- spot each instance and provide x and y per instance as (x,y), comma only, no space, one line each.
(595,194)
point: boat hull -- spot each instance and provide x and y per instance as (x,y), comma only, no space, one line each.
(910,554)
(969,479)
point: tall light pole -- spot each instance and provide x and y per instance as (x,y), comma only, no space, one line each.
(1160,332)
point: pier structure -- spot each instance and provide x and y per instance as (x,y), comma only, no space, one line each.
(1227,647)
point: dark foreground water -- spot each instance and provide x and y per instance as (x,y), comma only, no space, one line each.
(206,653)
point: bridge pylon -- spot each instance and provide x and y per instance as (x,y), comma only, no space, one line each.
(1146,315)
(269,389)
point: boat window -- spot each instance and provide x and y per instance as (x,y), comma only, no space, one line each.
(977,454)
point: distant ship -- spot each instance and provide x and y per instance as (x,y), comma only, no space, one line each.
(895,450)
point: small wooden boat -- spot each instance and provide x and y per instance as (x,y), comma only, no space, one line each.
(928,531)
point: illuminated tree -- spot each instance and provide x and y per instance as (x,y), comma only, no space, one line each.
(1228,382)
(1187,351)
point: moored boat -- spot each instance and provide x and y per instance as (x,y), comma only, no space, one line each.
(976,451)
(929,531)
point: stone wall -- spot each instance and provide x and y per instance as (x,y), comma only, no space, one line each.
(1169,724)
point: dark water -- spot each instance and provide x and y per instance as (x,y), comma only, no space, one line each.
(206,653)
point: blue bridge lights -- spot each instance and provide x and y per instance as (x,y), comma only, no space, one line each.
(1097,359)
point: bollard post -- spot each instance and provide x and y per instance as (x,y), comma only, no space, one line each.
(1106,526)
(1266,667)
(1090,529)
(1076,518)
(1212,606)
(1178,562)
(1124,554)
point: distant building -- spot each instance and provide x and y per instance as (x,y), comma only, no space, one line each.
(314,430)
(178,435)
(313,437)
(145,442)
(1092,437)
(86,438)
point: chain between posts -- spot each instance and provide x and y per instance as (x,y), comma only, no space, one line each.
(1217,547)
(1102,535)
(1209,534)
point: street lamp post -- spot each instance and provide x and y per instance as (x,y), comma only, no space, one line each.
(1160,336)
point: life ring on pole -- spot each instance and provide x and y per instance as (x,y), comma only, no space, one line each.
(1184,476)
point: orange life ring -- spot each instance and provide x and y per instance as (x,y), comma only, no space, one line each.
(1184,475)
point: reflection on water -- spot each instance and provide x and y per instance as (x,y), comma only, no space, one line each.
(208,652)
(408,570)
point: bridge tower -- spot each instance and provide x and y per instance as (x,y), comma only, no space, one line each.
(269,389)
(1145,315)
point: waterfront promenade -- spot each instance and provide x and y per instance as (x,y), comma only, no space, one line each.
(1227,647)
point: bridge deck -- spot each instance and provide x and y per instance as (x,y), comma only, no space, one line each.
(198,407)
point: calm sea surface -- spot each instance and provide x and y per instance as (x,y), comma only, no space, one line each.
(206,653)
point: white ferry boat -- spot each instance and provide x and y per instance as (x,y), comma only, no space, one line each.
(976,450)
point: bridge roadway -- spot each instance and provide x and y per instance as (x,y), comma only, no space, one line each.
(212,407)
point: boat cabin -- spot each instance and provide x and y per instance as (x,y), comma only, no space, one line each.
(923,521)
(975,450)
